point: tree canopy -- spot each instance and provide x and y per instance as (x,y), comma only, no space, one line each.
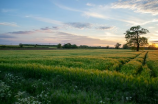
(117,46)
(133,37)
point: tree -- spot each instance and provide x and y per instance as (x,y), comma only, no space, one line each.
(83,46)
(21,45)
(133,37)
(107,47)
(125,46)
(117,46)
(35,45)
(68,45)
(74,46)
(59,45)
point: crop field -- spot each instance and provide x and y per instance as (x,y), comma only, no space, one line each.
(79,76)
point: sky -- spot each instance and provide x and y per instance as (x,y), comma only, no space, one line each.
(80,22)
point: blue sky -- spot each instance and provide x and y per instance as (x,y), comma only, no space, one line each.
(81,22)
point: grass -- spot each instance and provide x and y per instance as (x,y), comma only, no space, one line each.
(96,76)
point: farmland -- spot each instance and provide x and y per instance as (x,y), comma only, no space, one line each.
(79,76)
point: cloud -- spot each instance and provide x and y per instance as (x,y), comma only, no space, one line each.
(64,37)
(142,6)
(67,8)
(135,21)
(9,24)
(78,25)
(21,32)
(7,10)
(85,13)
(55,28)
(46,28)
(43,30)
(155,41)
(105,28)
(95,15)
(6,36)
(90,4)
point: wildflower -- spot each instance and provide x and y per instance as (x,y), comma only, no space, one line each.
(101,102)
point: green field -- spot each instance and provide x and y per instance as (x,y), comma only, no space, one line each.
(92,76)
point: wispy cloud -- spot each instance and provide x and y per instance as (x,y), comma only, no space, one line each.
(78,25)
(55,28)
(101,11)
(143,6)
(62,25)
(7,10)
(95,15)
(64,37)
(136,21)
(43,30)
(67,8)
(105,28)
(87,13)
(90,4)
(6,36)
(9,24)
(155,41)
(22,32)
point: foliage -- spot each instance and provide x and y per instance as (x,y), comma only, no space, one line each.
(133,37)
(35,45)
(59,46)
(83,46)
(68,45)
(107,47)
(20,45)
(117,46)
(125,46)
(74,46)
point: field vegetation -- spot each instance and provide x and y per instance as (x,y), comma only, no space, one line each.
(82,76)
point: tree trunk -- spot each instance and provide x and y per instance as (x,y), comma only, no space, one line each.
(137,46)
(137,42)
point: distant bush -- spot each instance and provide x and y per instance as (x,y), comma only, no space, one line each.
(59,46)
(68,45)
(21,45)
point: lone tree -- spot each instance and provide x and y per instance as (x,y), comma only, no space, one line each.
(59,46)
(21,45)
(117,46)
(133,37)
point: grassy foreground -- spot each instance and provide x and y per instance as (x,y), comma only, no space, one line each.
(78,77)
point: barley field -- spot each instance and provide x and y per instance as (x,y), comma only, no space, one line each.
(90,76)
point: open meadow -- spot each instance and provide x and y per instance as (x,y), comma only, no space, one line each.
(79,76)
